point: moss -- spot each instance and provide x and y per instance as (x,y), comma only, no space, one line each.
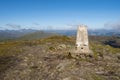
(97,77)
(52,48)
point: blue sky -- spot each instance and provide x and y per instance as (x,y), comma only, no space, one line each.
(59,14)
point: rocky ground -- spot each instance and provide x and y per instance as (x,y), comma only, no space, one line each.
(50,59)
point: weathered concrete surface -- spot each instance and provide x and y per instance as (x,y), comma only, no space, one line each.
(82,43)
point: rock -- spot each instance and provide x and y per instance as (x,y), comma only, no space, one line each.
(67,78)
(24,64)
(101,72)
(118,56)
(61,46)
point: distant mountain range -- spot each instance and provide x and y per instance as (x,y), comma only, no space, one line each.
(35,34)
(97,32)
(104,32)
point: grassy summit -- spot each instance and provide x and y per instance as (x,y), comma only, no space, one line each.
(49,58)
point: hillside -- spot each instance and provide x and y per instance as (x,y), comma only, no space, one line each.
(50,59)
(36,35)
(13,34)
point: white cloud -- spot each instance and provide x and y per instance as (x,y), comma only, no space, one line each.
(15,26)
(112,25)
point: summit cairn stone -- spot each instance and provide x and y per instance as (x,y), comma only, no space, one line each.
(82,43)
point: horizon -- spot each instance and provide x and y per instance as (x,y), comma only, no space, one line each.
(59,14)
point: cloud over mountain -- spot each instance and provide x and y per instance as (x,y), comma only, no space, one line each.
(15,26)
(112,25)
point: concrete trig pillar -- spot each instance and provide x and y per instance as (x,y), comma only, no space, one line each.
(82,43)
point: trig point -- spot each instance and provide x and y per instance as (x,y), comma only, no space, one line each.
(82,43)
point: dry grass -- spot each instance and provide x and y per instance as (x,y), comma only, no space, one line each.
(49,58)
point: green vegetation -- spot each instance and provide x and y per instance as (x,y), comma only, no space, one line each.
(99,49)
(97,77)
